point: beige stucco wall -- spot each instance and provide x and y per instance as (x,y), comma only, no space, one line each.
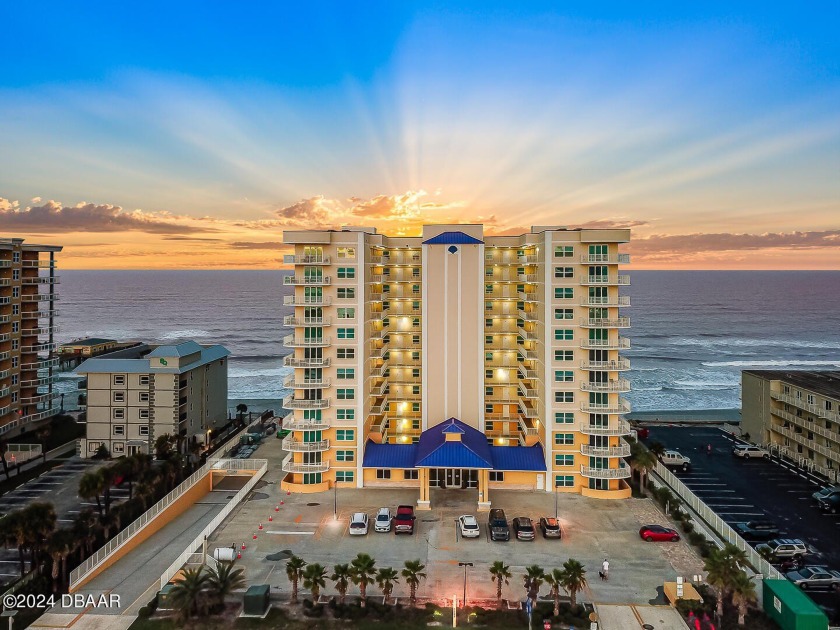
(755,407)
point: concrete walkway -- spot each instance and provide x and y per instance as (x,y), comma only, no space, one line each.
(617,617)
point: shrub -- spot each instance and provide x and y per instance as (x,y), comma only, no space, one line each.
(307,603)
(678,515)
(144,612)
(687,527)
(696,538)
(153,604)
(313,610)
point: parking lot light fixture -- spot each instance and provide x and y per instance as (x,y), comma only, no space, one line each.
(465,565)
(335,501)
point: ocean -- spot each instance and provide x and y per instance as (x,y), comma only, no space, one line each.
(692,331)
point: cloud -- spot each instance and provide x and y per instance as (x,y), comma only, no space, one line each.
(35,200)
(192,238)
(404,206)
(611,224)
(665,244)
(315,212)
(273,245)
(89,217)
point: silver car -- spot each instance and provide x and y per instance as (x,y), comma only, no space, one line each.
(814,578)
(359,524)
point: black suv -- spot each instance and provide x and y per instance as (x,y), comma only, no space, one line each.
(830,503)
(499,529)
(757,529)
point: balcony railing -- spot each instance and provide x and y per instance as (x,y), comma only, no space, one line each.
(5,355)
(622,343)
(307,425)
(528,374)
(291,320)
(620,385)
(528,277)
(5,337)
(32,400)
(39,314)
(620,365)
(606,280)
(41,347)
(616,300)
(529,335)
(529,260)
(38,365)
(613,322)
(5,319)
(526,296)
(528,317)
(38,264)
(291,259)
(802,404)
(529,355)
(379,390)
(290,402)
(622,472)
(291,444)
(622,427)
(307,280)
(291,361)
(301,300)
(806,425)
(622,450)
(38,382)
(39,297)
(608,408)
(802,438)
(293,467)
(528,392)
(306,383)
(41,280)
(528,412)
(305,342)
(381,408)
(33,332)
(608,259)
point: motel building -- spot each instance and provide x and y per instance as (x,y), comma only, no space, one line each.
(457,360)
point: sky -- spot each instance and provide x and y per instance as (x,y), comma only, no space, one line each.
(190,135)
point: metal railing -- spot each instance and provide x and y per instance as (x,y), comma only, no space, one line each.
(806,406)
(619,365)
(621,428)
(289,465)
(620,385)
(291,361)
(241,464)
(622,450)
(590,472)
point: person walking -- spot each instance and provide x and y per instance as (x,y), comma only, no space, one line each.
(606,569)
(709,450)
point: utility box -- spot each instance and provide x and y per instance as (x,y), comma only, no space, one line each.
(163,602)
(224,554)
(256,600)
(789,607)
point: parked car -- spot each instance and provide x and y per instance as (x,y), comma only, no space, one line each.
(830,504)
(749,451)
(658,533)
(524,528)
(675,459)
(404,520)
(757,529)
(784,548)
(825,493)
(550,527)
(468,526)
(383,520)
(359,524)
(814,578)
(497,521)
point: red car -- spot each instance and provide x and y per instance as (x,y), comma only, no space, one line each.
(658,533)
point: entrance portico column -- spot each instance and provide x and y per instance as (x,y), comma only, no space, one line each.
(423,502)
(483,490)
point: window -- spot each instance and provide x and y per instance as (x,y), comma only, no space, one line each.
(488,289)
(488,425)
(345,353)
(415,339)
(415,372)
(488,408)
(312,478)
(346,272)
(143,396)
(345,456)
(415,355)
(564,417)
(564,376)
(144,379)
(488,306)
(564,439)
(828,405)
(564,460)
(383,473)
(345,414)
(343,373)
(497,475)
(311,414)
(119,414)
(93,446)
(411,474)
(488,339)
(564,334)
(564,481)
(810,399)
(144,429)
(564,293)
(345,435)
(564,251)
(346,394)
(488,391)
(488,373)
(344,475)
(346,313)
(346,294)
(415,323)
(564,313)
(564,355)
(346,252)
(415,408)
(119,397)
(488,323)
(415,389)
(118,379)
(564,272)
(346,333)
(564,397)
(119,429)
(144,414)
(488,271)
(118,447)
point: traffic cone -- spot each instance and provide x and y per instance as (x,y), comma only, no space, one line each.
(255,536)
(288,493)
(243,546)
(260,528)
(270,518)
(281,502)
(276,508)
(239,555)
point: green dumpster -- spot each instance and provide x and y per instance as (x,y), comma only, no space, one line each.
(789,607)
(163,602)
(257,600)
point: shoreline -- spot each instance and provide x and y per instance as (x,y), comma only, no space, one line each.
(711,416)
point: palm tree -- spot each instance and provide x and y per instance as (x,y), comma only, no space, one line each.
(62,544)
(555,581)
(413,574)
(40,521)
(314,579)
(163,446)
(294,571)
(90,487)
(386,578)
(188,592)
(643,461)
(657,448)
(14,533)
(574,579)
(500,573)
(722,567)
(223,580)
(363,572)
(341,576)
(83,528)
(533,579)
(108,474)
(743,594)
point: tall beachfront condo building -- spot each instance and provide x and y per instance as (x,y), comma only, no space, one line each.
(137,394)
(795,413)
(27,311)
(457,360)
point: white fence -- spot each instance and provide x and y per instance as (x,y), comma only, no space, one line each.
(261,466)
(19,453)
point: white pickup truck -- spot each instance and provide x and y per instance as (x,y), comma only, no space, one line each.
(675,459)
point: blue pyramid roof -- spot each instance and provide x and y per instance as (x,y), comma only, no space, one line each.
(453,238)
(472,451)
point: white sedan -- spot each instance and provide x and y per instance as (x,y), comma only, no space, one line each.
(359,524)
(468,526)
(748,451)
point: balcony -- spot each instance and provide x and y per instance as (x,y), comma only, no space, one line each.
(529,335)
(622,472)
(614,259)
(529,260)
(5,282)
(34,332)
(528,277)
(41,347)
(38,382)
(306,425)
(38,264)
(5,264)
(40,280)
(312,281)
(528,392)
(38,297)
(290,466)
(620,365)
(306,383)
(379,390)
(526,297)
(605,280)
(5,300)
(613,322)
(802,404)
(802,438)
(608,408)
(305,342)
(529,355)
(528,317)
(806,425)
(528,374)
(40,415)
(33,400)
(619,386)
(291,320)
(291,259)
(290,402)
(291,361)
(621,343)
(5,355)
(5,319)
(5,337)
(39,314)
(401,310)
(381,408)
(528,412)
(293,445)
(4,391)
(616,300)
(622,427)
(301,300)
(5,374)
(37,365)
(622,450)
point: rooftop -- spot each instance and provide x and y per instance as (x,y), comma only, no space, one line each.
(117,363)
(89,341)
(823,382)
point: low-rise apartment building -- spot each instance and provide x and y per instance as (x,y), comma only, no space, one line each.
(136,395)
(795,413)
(457,360)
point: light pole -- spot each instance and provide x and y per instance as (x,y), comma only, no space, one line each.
(335,501)
(555,498)
(465,565)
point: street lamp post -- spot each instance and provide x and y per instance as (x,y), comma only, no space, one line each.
(465,565)
(555,498)
(335,500)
